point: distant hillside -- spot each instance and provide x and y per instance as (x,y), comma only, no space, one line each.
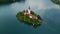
(56,1)
(9,1)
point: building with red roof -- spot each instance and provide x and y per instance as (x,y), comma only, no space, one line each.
(27,11)
(35,17)
(30,15)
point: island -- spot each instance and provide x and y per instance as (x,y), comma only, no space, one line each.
(56,1)
(29,17)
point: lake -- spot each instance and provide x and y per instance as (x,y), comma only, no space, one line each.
(49,12)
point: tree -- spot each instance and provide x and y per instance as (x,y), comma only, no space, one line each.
(56,1)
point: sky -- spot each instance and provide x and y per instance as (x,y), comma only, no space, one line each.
(42,4)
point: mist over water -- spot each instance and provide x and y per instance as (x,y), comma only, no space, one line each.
(49,12)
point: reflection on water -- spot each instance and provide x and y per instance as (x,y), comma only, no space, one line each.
(10,24)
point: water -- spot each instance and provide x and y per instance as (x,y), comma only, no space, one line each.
(10,25)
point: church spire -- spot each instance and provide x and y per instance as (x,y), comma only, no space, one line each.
(29,7)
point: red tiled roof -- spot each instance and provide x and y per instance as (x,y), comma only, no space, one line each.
(35,17)
(26,11)
(30,14)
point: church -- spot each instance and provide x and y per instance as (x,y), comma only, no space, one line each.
(28,11)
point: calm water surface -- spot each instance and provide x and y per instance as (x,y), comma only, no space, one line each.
(10,25)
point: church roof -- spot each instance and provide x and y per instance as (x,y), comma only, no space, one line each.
(30,14)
